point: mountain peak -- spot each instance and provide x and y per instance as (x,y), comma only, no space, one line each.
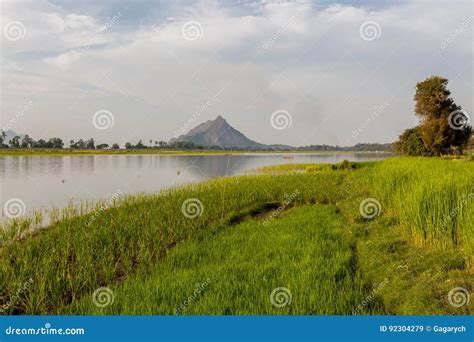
(217,132)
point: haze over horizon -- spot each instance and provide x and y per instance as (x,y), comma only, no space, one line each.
(157,68)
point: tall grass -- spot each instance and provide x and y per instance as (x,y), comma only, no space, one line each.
(77,255)
(78,252)
(307,251)
(433,199)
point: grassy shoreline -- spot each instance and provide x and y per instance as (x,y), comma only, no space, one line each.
(76,152)
(415,243)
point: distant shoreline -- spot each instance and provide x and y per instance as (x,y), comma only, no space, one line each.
(76,152)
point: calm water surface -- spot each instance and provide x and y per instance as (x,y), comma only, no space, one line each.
(45,181)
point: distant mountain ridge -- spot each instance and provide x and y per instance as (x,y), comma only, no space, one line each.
(218,132)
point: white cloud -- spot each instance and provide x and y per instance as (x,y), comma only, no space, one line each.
(250,61)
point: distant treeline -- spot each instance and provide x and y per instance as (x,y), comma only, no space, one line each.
(357,147)
(89,144)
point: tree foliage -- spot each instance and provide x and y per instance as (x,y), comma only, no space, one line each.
(411,143)
(437,133)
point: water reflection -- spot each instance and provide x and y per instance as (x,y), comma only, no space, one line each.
(42,181)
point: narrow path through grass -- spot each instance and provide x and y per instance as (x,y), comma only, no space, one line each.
(307,251)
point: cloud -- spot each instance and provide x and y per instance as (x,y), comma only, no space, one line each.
(248,60)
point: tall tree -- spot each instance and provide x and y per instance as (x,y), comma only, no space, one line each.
(434,107)
(3,136)
(27,142)
(15,142)
(90,145)
(55,143)
(410,143)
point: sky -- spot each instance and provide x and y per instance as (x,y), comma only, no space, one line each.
(288,72)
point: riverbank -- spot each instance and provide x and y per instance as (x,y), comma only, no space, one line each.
(7,152)
(389,237)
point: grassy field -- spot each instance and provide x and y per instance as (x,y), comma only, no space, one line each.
(391,237)
(316,263)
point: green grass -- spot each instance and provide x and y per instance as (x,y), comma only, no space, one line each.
(307,251)
(146,242)
(432,198)
(307,167)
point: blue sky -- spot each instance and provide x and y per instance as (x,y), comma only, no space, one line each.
(244,60)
